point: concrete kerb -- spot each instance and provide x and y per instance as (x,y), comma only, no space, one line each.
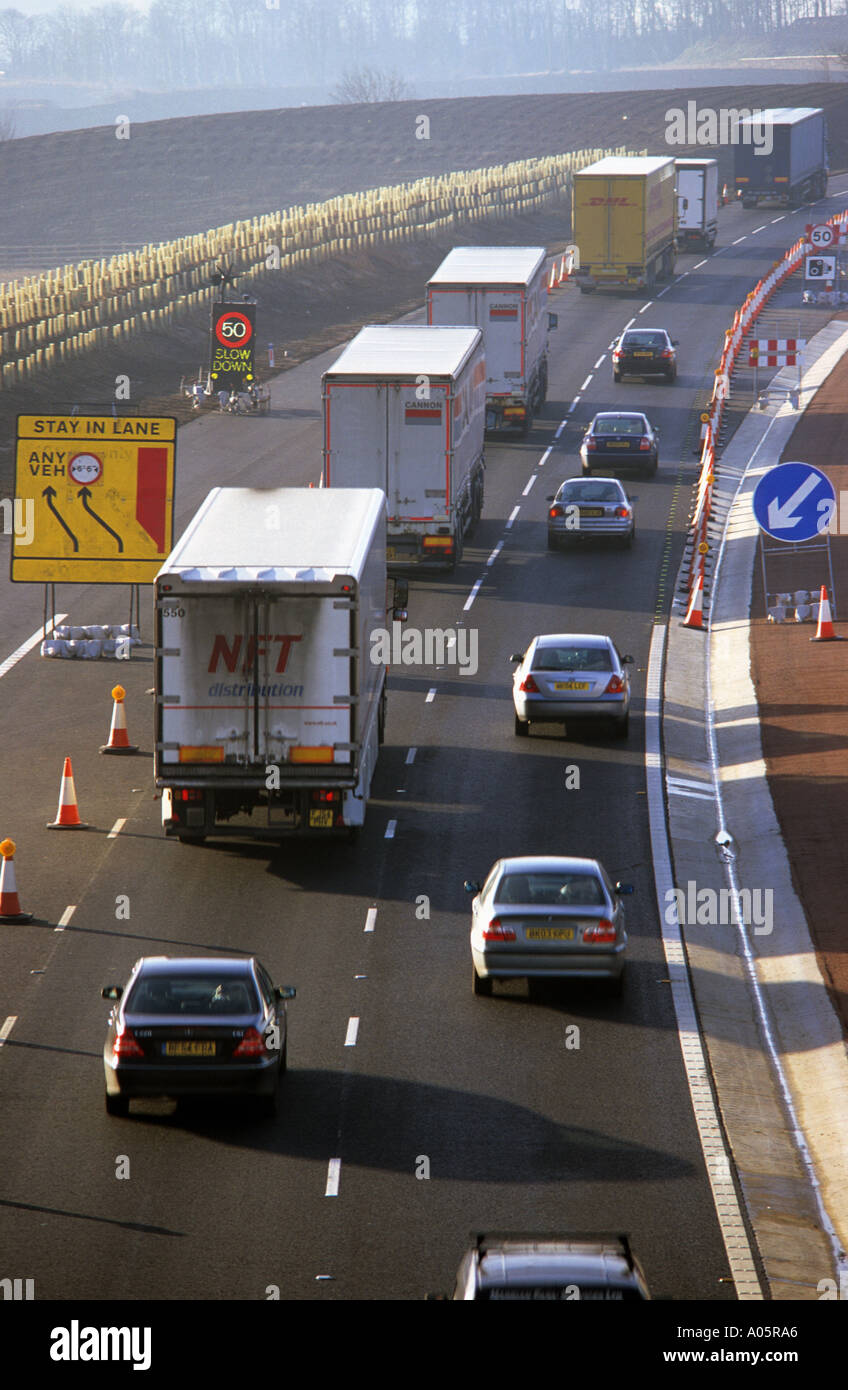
(760,997)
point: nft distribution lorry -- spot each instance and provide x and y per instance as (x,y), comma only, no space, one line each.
(404,411)
(624,222)
(780,156)
(697,202)
(269,709)
(502,290)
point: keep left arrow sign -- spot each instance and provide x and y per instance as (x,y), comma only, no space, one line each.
(794,502)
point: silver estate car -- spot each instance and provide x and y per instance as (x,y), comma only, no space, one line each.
(571,675)
(514,1267)
(547,916)
(586,509)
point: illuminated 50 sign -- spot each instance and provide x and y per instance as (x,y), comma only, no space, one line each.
(233,337)
(233,327)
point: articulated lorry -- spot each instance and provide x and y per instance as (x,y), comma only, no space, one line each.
(697,202)
(780,156)
(269,709)
(624,222)
(502,290)
(404,410)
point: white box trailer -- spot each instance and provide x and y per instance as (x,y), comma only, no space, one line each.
(502,290)
(697,202)
(269,709)
(404,411)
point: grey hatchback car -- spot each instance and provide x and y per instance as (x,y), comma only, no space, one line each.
(196,1025)
(506,1266)
(569,676)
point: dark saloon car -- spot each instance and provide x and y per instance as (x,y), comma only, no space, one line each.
(196,1026)
(620,439)
(645,352)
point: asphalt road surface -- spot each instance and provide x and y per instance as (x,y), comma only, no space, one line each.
(450,1113)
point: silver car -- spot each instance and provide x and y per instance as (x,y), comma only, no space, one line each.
(507,1266)
(586,509)
(571,675)
(547,916)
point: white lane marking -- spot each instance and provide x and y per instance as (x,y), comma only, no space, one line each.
(352,1030)
(390,830)
(371,919)
(560,427)
(602,358)
(28,645)
(758,229)
(530,484)
(430,696)
(646,306)
(117,828)
(700,263)
(546,455)
(698,796)
(495,553)
(410,757)
(511,518)
(65,918)
(688,782)
(7,1027)
(471,597)
(334,1169)
(574,405)
(738,239)
(586,382)
(628,324)
(731,1223)
(778,219)
(668,287)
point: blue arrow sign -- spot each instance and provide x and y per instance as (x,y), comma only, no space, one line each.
(794,502)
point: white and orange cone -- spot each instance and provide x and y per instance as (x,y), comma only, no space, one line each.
(67,816)
(824,628)
(695,612)
(118,738)
(10,907)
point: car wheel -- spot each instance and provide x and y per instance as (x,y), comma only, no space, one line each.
(553,542)
(671,378)
(628,540)
(267,1106)
(522,727)
(117,1105)
(192,839)
(622,726)
(481,984)
(615,988)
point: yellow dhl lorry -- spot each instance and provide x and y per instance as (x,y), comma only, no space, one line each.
(624,220)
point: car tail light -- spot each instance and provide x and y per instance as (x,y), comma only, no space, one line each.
(602,932)
(615,686)
(616,355)
(644,442)
(591,443)
(528,686)
(496,931)
(622,511)
(667,352)
(125,1044)
(251,1045)
(557,511)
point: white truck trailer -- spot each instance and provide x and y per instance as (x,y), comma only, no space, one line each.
(502,290)
(269,709)
(697,202)
(404,410)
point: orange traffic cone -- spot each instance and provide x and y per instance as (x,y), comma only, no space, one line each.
(824,629)
(552,279)
(695,612)
(10,908)
(67,816)
(118,738)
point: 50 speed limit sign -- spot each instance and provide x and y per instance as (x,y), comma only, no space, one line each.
(822,236)
(233,328)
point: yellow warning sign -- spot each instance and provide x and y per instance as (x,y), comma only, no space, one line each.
(96,494)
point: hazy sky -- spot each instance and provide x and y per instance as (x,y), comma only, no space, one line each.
(31,7)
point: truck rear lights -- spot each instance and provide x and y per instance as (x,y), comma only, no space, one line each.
(602,933)
(437,542)
(305,754)
(615,686)
(321,794)
(528,686)
(187,794)
(496,931)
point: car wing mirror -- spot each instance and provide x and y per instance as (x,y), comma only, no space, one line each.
(111,992)
(627,660)
(471,886)
(624,889)
(285,991)
(517,656)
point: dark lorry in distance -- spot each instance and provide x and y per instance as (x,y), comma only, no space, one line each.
(780,156)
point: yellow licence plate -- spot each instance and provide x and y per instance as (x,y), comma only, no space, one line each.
(549,933)
(391,553)
(643,354)
(618,444)
(591,511)
(321,820)
(190,1049)
(572,685)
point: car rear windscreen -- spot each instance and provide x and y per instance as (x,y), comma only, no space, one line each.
(211,993)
